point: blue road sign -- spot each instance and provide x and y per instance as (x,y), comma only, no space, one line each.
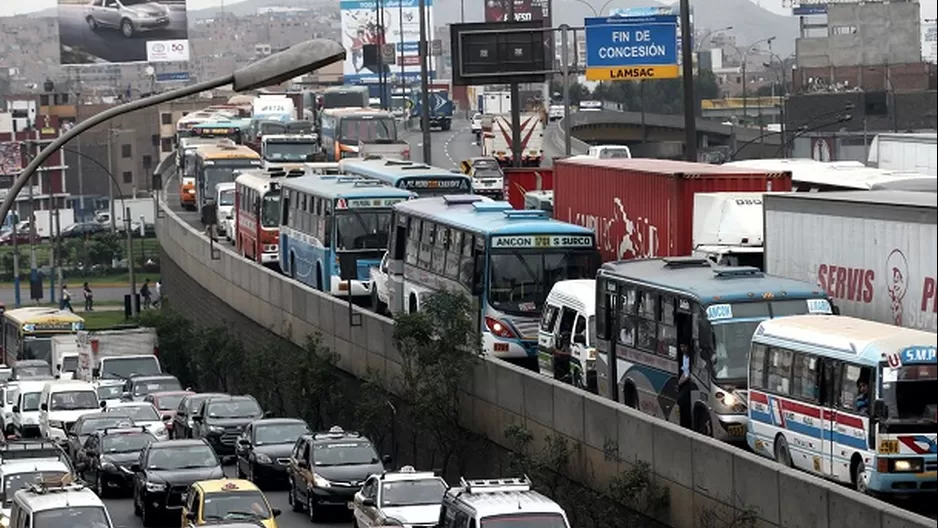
(626,48)
(172,77)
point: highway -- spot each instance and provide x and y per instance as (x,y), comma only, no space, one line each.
(106,44)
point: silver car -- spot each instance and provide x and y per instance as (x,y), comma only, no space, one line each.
(129,16)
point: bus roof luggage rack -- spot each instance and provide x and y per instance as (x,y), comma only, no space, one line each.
(496,485)
(397,162)
(296,173)
(730,272)
(368,183)
(29,449)
(457,199)
(525,214)
(686,262)
(491,207)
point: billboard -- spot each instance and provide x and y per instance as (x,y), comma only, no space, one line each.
(116,31)
(525,10)
(11,159)
(401,28)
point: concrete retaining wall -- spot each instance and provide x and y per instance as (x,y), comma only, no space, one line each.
(699,472)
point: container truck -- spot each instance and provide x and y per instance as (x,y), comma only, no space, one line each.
(873,252)
(113,355)
(498,143)
(905,152)
(139,207)
(728,228)
(519,181)
(643,208)
(441,109)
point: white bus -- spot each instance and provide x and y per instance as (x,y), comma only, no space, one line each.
(847,399)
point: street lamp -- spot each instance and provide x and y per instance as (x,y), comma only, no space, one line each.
(744,57)
(275,69)
(596,12)
(709,34)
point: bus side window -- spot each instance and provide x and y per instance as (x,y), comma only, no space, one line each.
(853,375)
(627,321)
(453,254)
(757,367)
(779,371)
(806,378)
(325,222)
(603,310)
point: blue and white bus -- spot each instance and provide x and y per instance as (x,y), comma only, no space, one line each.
(850,400)
(328,219)
(410,175)
(507,260)
(651,314)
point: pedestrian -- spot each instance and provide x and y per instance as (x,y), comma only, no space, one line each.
(159,292)
(89,297)
(145,294)
(66,299)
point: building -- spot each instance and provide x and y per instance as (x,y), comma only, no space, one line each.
(170,113)
(48,187)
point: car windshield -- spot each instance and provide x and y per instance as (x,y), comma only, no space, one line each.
(615,153)
(291,151)
(139,413)
(17,481)
(123,368)
(180,457)
(362,230)
(519,281)
(233,505)
(110,392)
(73,517)
(169,402)
(74,400)
(487,173)
(125,442)
(350,454)
(270,209)
(233,409)
(911,392)
(352,99)
(226,197)
(412,492)
(485,164)
(156,385)
(525,520)
(30,401)
(355,129)
(97,424)
(286,433)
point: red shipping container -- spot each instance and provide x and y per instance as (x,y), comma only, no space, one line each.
(520,180)
(643,208)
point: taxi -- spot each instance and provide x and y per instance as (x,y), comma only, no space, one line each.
(209,502)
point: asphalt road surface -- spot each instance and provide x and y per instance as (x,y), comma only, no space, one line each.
(122,512)
(108,44)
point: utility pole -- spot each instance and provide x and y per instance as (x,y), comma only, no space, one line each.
(57,251)
(33,271)
(687,56)
(52,210)
(130,262)
(565,76)
(515,95)
(110,169)
(17,299)
(424,50)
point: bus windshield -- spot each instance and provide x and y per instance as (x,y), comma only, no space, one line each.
(270,209)
(290,151)
(362,230)
(212,176)
(350,99)
(911,393)
(519,281)
(355,129)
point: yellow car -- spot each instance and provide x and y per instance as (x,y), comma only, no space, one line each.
(211,501)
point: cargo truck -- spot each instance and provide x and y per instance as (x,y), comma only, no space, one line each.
(115,355)
(497,143)
(643,208)
(905,152)
(728,228)
(873,252)
(441,109)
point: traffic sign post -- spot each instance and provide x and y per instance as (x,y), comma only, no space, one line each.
(632,48)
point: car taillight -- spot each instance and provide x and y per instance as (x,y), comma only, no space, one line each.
(499,328)
(156,351)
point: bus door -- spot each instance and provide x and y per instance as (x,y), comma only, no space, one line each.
(848,431)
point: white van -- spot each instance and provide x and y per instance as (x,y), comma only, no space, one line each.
(225,198)
(62,403)
(609,152)
(505,502)
(26,409)
(568,322)
(58,505)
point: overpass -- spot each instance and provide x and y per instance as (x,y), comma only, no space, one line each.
(213,285)
(662,135)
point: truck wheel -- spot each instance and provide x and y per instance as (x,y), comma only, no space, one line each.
(446,126)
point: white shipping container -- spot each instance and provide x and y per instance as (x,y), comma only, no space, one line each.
(874,252)
(905,152)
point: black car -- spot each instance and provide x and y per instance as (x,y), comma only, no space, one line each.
(164,472)
(84,229)
(328,469)
(263,450)
(136,388)
(105,460)
(220,421)
(88,424)
(189,407)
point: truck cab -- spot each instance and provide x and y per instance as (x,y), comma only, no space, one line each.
(728,229)
(286,149)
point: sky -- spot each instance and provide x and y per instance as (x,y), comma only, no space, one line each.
(15,7)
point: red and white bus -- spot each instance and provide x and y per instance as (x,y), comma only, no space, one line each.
(257,216)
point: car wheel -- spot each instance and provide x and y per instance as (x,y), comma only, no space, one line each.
(99,486)
(92,23)
(127,28)
(292,499)
(311,507)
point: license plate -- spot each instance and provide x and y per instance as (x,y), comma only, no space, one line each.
(737,430)
(888,447)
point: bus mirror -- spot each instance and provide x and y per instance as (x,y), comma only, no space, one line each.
(880,410)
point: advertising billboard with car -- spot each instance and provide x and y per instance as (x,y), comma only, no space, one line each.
(118,31)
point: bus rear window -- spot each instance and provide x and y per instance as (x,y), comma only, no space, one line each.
(525,520)
(354,130)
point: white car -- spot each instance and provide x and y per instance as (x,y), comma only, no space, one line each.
(555,112)
(25,409)
(61,404)
(409,497)
(378,276)
(8,394)
(476,124)
(143,414)
(129,16)
(224,197)
(18,474)
(110,392)
(609,152)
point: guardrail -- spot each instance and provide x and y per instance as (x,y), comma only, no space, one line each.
(699,472)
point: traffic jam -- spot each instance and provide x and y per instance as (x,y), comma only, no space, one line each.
(727,299)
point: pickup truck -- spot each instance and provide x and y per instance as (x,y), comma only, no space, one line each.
(378,275)
(384,148)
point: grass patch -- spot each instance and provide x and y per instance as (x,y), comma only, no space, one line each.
(103,319)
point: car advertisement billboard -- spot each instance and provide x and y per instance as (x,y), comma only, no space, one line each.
(401,28)
(117,31)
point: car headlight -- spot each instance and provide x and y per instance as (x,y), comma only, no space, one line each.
(908,465)
(160,433)
(57,424)
(262,458)
(191,191)
(108,466)
(216,429)
(320,482)
(155,487)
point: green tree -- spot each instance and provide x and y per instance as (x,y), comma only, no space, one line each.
(439,347)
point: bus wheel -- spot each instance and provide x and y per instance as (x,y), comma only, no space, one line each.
(292,266)
(859,475)
(319,278)
(782,455)
(704,425)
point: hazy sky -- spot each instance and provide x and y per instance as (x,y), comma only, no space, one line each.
(13,7)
